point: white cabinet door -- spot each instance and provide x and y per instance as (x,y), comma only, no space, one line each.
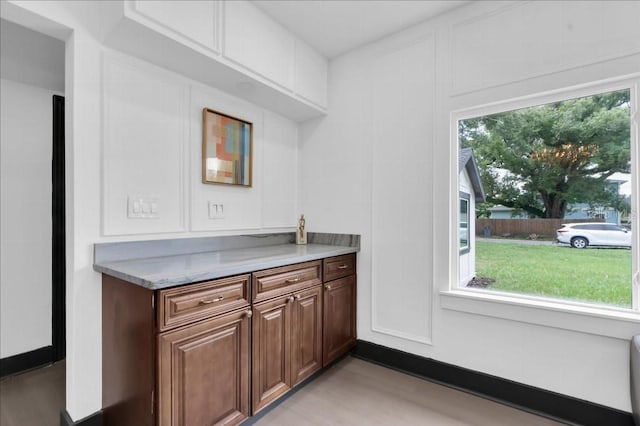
(310,74)
(196,21)
(255,41)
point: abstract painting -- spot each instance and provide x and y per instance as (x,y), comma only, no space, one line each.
(226,149)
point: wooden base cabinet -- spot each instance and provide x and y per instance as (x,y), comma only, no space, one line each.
(128,354)
(287,334)
(306,334)
(216,352)
(203,372)
(271,351)
(176,357)
(339,308)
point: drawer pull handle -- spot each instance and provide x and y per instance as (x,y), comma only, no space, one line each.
(206,302)
(248,313)
(293,280)
(328,287)
(343,267)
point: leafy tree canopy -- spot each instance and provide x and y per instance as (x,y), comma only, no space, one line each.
(542,159)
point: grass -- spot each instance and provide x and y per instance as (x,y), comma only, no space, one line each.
(601,275)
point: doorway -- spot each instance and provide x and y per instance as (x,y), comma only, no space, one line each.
(32,283)
(58,241)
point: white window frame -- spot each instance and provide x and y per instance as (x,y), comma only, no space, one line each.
(566,314)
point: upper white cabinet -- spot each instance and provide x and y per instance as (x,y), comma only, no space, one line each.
(229,45)
(194,21)
(257,42)
(310,74)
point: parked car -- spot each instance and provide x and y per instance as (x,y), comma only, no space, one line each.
(582,235)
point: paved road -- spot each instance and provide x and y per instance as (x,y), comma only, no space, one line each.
(513,240)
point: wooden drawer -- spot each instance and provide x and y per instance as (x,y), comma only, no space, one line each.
(277,281)
(339,266)
(189,303)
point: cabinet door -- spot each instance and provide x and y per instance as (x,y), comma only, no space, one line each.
(306,334)
(203,372)
(339,318)
(271,351)
(193,21)
(254,40)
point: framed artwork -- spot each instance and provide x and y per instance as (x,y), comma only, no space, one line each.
(227,144)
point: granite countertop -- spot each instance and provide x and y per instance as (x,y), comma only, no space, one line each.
(168,271)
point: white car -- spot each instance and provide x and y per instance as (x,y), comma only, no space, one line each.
(581,235)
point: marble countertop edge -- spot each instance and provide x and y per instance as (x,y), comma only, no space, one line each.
(170,271)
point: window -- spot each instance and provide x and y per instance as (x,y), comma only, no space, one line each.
(544,164)
(464,222)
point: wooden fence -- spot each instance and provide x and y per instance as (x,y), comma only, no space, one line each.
(524,227)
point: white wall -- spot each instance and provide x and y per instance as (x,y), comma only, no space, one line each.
(345,183)
(32,71)
(25,218)
(362,171)
(382,164)
(30,57)
(153,149)
(135,129)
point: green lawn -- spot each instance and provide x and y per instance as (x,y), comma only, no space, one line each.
(600,275)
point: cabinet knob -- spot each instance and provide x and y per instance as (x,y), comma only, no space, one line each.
(293,280)
(291,299)
(298,297)
(328,287)
(248,313)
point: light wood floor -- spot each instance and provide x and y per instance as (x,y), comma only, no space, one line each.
(34,398)
(353,392)
(356,392)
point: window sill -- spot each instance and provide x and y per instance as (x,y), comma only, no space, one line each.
(615,323)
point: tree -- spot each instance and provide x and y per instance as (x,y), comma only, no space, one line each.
(543,158)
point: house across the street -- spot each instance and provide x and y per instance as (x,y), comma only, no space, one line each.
(616,183)
(471,192)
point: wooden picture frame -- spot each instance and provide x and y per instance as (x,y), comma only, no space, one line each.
(227,149)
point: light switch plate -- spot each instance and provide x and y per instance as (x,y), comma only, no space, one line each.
(142,207)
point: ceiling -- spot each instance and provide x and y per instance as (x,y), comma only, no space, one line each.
(334,27)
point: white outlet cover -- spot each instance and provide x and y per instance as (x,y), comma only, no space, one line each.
(216,210)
